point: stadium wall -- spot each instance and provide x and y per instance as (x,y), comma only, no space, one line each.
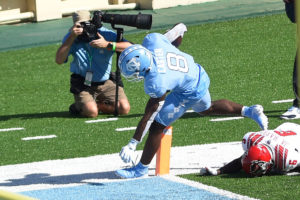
(13,11)
(158,4)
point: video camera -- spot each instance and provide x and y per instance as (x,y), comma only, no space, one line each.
(140,21)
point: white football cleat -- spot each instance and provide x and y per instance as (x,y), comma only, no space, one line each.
(176,32)
(256,112)
(292,113)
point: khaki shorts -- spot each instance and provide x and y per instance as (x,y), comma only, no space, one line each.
(102,93)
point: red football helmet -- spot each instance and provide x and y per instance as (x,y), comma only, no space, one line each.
(257,160)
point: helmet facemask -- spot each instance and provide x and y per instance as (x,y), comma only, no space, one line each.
(257,161)
(259,168)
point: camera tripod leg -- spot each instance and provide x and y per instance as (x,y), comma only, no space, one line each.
(118,77)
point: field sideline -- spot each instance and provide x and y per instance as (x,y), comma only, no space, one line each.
(248,60)
(36,178)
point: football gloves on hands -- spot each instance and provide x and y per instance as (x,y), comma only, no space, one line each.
(208,171)
(127,153)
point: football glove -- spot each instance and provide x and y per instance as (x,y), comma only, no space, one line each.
(208,171)
(127,153)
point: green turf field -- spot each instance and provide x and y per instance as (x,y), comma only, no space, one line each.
(249,61)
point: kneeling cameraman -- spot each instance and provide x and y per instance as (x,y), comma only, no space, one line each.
(91,86)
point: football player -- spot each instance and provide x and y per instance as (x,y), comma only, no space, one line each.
(269,151)
(174,83)
(221,106)
(294,111)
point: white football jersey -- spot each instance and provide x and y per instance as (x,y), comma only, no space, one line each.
(283,141)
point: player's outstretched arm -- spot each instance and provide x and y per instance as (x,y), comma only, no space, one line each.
(153,106)
(232,167)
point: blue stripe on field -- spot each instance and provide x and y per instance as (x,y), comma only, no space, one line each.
(155,188)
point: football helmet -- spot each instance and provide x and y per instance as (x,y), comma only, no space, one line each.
(257,160)
(134,62)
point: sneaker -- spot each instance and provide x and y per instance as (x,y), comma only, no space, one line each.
(256,113)
(138,171)
(292,113)
(175,34)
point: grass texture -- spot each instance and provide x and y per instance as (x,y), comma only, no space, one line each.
(249,61)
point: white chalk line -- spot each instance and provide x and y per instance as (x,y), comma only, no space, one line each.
(39,137)
(11,129)
(283,101)
(101,120)
(206,187)
(126,129)
(225,119)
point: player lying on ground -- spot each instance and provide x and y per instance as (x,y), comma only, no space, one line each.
(266,152)
(175,83)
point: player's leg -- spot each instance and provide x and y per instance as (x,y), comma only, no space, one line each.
(164,118)
(223,107)
(295,84)
(204,105)
(173,108)
(294,111)
(226,107)
(152,143)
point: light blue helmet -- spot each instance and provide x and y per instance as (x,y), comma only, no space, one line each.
(134,62)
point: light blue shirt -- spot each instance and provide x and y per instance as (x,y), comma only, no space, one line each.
(97,60)
(173,70)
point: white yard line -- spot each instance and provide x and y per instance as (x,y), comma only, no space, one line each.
(101,120)
(11,129)
(126,129)
(40,137)
(225,119)
(206,187)
(283,101)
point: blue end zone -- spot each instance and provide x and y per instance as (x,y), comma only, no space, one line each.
(155,188)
